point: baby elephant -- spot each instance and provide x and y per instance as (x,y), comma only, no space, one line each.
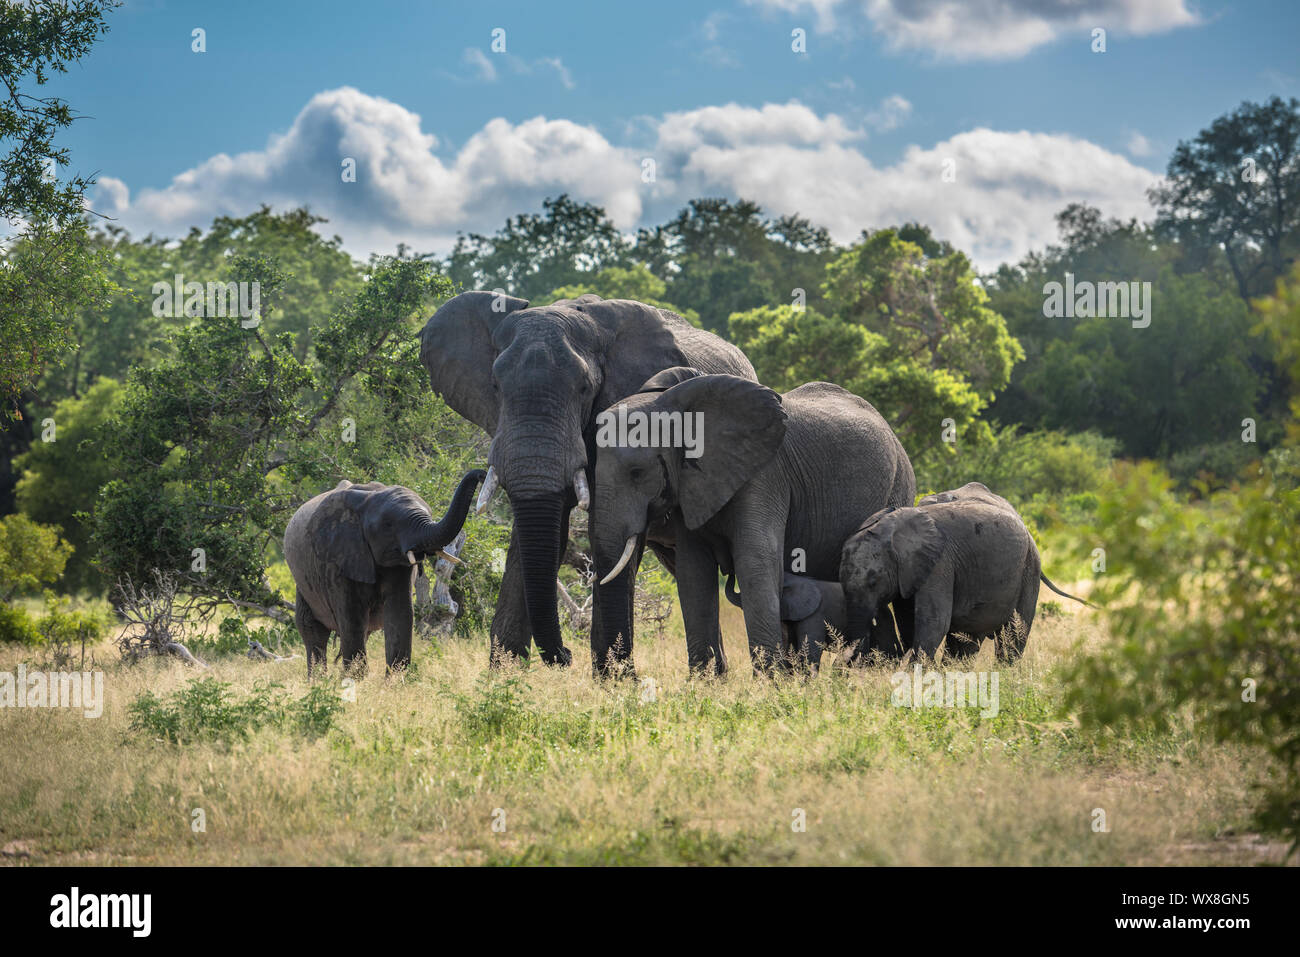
(966,560)
(354,553)
(809,607)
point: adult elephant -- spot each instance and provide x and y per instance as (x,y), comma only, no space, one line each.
(771,484)
(534,378)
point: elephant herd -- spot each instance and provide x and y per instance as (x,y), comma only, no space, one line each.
(804,499)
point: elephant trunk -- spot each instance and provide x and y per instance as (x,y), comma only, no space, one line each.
(614,643)
(443,531)
(538,522)
(859,625)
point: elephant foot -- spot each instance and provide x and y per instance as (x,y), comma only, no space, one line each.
(562,658)
(617,669)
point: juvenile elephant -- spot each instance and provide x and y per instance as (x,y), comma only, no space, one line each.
(748,473)
(354,552)
(809,609)
(963,557)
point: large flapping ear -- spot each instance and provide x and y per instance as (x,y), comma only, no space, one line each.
(665,380)
(916,544)
(740,424)
(799,598)
(457,350)
(338,535)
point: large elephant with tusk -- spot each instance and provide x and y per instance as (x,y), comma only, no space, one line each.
(355,552)
(534,378)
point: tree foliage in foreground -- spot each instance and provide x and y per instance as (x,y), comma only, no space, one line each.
(1201,603)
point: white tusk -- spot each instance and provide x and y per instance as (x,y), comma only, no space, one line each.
(410,557)
(486,492)
(449,557)
(627,554)
(580,487)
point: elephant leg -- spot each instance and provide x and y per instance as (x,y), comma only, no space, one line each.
(933,618)
(1011,640)
(398,622)
(510,631)
(697,590)
(961,646)
(314,635)
(759,572)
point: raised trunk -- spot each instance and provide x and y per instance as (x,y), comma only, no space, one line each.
(537,522)
(442,532)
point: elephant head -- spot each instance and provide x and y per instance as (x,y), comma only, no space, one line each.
(533,378)
(391,526)
(688,442)
(886,559)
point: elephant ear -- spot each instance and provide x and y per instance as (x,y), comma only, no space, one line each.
(800,598)
(663,381)
(743,427)
(916,544)
(457,349)
(338,536)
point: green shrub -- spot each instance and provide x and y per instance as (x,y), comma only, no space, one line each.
(1024,468)
(233,635)
(207,710)
(16,626)
(1202,608)
(31,555)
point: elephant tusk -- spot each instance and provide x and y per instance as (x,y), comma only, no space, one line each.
(447,557)
(580,487)
(487,491)
(622,562)
(410,557)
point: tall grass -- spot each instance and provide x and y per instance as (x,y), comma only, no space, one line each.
(453,764)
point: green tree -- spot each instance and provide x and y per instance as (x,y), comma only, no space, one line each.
(535,253)
(61,479)
(214,441)
(1236,187)
(624,282)
(31,555)
(49,263)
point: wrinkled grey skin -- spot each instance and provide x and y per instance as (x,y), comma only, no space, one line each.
(777,473)
(809,608)
(350,551)
(534,379)
(963,557)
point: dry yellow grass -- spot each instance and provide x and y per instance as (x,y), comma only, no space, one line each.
(418,769)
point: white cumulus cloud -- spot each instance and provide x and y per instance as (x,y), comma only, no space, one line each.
(987,29)
(1007,187)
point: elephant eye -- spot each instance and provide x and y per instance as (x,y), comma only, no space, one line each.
(636,474)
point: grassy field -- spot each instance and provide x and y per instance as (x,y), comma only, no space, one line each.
(451,764)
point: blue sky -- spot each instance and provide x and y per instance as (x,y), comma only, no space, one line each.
(448,135)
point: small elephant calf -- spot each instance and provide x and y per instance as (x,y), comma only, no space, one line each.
(809,609)
(354,553)
(959,561)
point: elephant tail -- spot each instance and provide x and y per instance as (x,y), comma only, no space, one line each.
(1048,582)
(730,588)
